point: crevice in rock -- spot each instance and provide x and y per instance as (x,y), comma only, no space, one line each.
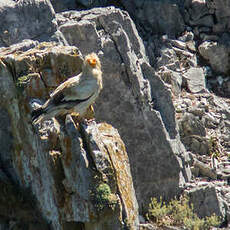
(5,44)
(72,225)
(59,176)
(86,147)
(124,214)
(215,18)
(11,69)
(17,206)
(126,75)
(4,173)
(42,79)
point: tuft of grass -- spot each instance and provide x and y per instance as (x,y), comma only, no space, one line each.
(158,211)
(179,213)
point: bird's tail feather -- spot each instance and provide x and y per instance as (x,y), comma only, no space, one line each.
(36,114)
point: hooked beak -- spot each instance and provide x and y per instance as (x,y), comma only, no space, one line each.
(92,62)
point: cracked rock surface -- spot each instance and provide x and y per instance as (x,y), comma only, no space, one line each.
(76,177)
(134,92)
(162,119)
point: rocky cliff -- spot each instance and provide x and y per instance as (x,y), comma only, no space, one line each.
(161,123)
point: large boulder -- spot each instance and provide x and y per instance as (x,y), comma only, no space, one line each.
(207,200)
(217,55)
(192,132)
(63,5)
(26,19)
(134,99)
(209,18)
(77,179)
(91,3)
(156,17)
(222,14)
(195,80)
(198,13)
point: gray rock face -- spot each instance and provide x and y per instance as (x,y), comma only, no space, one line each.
(69,170)
(76,177)
(168,58)
(191,125)
(196,144)
(109,140)
(192,132)
(25,19)
(6,143)
(217,55)
(90,3)
(207,201)
(221,9)
(105,151)
(63,5)
(156,17)
(134,99)
(199,13)
(208,18)
(195,80)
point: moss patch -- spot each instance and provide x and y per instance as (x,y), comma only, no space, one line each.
(23,81)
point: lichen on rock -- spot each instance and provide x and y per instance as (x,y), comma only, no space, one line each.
(54,159)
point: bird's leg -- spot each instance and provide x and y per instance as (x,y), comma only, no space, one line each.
(89,114)
(77,119)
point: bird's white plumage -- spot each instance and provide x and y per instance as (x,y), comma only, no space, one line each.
(75,94)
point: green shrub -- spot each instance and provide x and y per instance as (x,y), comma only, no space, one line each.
(179,213)
(157,210)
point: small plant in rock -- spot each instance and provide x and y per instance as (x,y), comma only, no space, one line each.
(22,81)
(179,213)
(103,197)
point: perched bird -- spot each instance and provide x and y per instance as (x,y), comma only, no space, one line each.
(75,94)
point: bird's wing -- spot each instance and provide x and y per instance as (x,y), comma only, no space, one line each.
(70,91)
(65,86)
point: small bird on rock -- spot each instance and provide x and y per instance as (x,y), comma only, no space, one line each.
(74,95)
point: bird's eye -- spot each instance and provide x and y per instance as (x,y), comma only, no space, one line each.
(92,62)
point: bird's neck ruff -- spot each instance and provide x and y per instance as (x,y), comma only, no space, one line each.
(98,76)
(93,73)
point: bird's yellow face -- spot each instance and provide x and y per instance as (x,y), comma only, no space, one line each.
(92,61)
